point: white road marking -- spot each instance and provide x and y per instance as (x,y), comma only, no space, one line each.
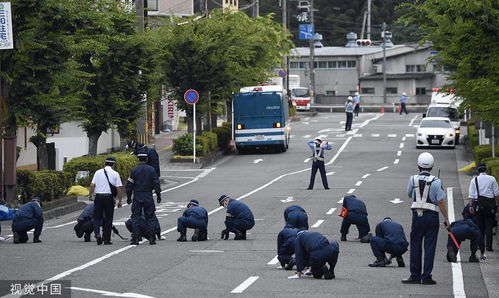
(351,190)
(307,136)
(375,135)
(369,120)
(340,135)
(403,139)
(274,261)
(392,135)
(399,152)
(340,201)
(287,200)
(257,160)
(329,174)
(205,172)
(61,225)
(396,161)
(112,294)
(401,145)
(306,123)
(415,126)
(245,284)
(352,132)
(331,211)
(357,135)
(318,223)
(413,119)
(358,183)
(396,201)
(365,176)
(205,251)
(457,273)
(292,136)
(322,137)
(381,169)
(409,135)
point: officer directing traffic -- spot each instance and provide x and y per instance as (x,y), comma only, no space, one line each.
(318,146)
(29,216)
(296,217)
(286,247)
(194,217)
(461,230)
(349,114)
(356,214)
(106,184)
(428,197)
(239,218)
(142,181)
(390,238)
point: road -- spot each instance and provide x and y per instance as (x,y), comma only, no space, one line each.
(372,162)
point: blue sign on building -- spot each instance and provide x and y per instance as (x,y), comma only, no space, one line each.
(306,31)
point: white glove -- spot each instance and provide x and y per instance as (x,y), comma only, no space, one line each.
(308,272)
(296,276)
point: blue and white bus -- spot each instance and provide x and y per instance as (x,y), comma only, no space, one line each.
(261,118)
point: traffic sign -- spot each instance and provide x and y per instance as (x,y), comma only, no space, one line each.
(307,31)
(282,73)
(191,96)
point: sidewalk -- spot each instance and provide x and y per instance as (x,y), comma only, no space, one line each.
(489,267)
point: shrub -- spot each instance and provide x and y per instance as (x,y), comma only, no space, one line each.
(224,134)
(183,145)
(482,151)
(212,140)
(202,145)
(48,185)
(227,124)
(472,133)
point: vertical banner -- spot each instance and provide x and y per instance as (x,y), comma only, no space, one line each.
(6,37)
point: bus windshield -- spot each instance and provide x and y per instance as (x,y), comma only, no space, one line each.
(300,92)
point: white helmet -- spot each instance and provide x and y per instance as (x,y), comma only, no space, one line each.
(356,93)
(404,94)
(425,160)
(349,98)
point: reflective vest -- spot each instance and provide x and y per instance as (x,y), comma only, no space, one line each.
(419,203)
(318,153)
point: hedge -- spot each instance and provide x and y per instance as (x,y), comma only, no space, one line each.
(483,151)
(492,164)
(472,133)
(48,185)
(224,134)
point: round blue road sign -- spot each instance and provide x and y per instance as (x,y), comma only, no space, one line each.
(282,73)
(191,96)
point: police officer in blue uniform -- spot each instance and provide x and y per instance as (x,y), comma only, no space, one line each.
(85,223)
(356,102)
(318,146)
(239,218)
(296,217)
(194,217)
(286,247)
(29,216)
(463,229)
(349,113)
(390,238)
(6,213)
(152,154)
(357,215)
(144,227)
(142,181)
(428,197)
(314,250)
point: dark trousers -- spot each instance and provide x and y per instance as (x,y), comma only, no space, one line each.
(297,220)
(360,220)
(318,165)
(403,108)
(380,246)
(356,110)
(143,203)
(485,223)
(463,232)
(319,258)
(85,227)
(103,215)
(424,228)
(193,223)
(348,124)
(238,225)
(23,225)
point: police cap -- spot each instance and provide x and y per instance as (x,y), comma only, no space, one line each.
(110,159)
(194,202)
(222,198)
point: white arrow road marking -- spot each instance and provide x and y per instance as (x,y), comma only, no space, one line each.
(340,201)
(331,211)
(396,201)
(245,284)
(289,199)
(318,223)
(108,293)
(257,160)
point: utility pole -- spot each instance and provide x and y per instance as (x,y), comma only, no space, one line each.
(384,62)
(369,19)
(284,4)
(312,66)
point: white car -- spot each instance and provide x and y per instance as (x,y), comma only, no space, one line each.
(435,132)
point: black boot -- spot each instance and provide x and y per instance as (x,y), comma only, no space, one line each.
(225,234)
(451,254)
(152,239)
(290,265)
(327,272)
(195,237)
(87,238)
(473,259)
(134,241)
(99,239)
(36,240)
(239,235)
(380,262)
(16,238)
(400,261)
(159,237)
(79,232)
(366,238)
(343,237)
(183,237)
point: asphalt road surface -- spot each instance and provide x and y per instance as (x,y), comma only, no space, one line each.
(372,162)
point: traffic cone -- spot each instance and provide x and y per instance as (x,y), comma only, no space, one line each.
(382,110)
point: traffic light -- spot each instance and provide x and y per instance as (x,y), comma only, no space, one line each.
(363,42)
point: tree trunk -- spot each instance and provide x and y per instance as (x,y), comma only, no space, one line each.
(213,117)
(124,135)
(93,139)
(40,141)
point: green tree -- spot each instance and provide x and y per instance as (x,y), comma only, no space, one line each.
(465,35)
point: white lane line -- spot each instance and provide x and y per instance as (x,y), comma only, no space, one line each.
(396,161)
(412,121)
(358,183)
(457,273)
(62,225)
(329,174)
(401,145)
(274,261)
(399,152)
(369,120)
(245,284)
(318,223)
(392,135)
(357,135)
(375,135)
(409,135)
(322,137)
(403,139)
(111,294)
(331,211)
(351,190)
(307,136)
(365,176)
(381,169)
(340,135)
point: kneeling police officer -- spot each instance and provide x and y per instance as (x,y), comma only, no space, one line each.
(357,215)
(296,217)
(390,238)
(194,217)
(29,216)
(239,218)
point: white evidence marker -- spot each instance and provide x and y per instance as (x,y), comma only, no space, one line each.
(396,161)
(381,169)
(396,201)
(245,284)
(318,223)
(358,183)
(351,190)
(331,211)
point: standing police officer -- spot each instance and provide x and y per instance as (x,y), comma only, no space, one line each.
(403,100)
(356,102)
(318,146)
(349,113)
(357,215)
(482,193)
(142,181)
(106,184)
(194,217)
(29,216)
(152,154)
(390,238)
(296,217)
(239,218)
(428,196)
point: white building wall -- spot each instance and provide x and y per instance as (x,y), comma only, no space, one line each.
(27,156)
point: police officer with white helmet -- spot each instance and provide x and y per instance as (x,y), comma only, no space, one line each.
(428,197)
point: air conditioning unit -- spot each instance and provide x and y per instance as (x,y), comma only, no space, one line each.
(378,68)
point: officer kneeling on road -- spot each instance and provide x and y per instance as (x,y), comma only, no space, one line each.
(29,216)
(390,238)
(85,223)
(194,217)
(239,218)
(314,250)
(296,217)
(144,227)
(463,229)
(142,181)
(356,213)
(286,247)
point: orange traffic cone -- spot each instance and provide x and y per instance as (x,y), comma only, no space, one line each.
(382,110)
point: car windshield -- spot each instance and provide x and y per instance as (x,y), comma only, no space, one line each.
(436,123)
(448,112)
(300,92)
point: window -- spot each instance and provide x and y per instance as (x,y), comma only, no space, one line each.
(352,64)
(332,64)
(391,90)
(342,64)
(294,65)
(304,65)
(367,90)
(415,68)
(152,5)
(420,91)
(323,64)
(330,93)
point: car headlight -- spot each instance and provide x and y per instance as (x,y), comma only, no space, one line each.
(421,134)
(449,135)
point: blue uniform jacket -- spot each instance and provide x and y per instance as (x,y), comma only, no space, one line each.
(7,213)
(296,217)
(305,245)
(435,194)
(87,212)
(286,242)
(198,214)
(239,210)
(143,178)
(467,214)
(30,210)
(311,144)
(152,156)
(354,205)
(392,232)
